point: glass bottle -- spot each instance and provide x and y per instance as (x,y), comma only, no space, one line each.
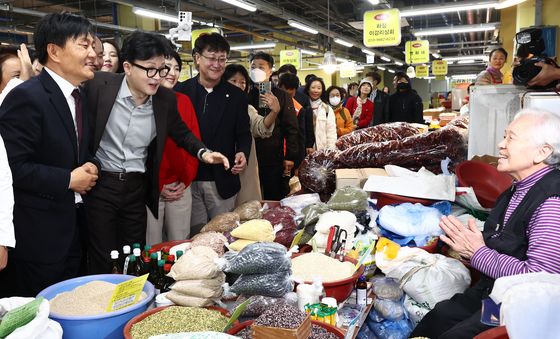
(361,291)
(115,269)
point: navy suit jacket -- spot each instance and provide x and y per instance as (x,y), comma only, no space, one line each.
(38,130)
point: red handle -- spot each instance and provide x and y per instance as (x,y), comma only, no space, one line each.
(329,240)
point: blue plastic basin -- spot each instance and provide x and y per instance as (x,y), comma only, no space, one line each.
(106,325)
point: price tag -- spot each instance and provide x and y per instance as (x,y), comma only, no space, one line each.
(417,52)
(290,56)
(127,293)
(19,316)
(382,28)
(422,71)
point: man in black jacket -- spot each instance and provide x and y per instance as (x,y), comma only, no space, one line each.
(275,161)
(405,104)
(221,110)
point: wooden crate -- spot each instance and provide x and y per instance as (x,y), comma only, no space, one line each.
(264,332)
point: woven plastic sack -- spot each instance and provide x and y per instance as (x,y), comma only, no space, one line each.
(270,285)
(256,230)
(198,263)
(186,300)
(249,210)
(203,288)
(214,240)
(257,258)
(349,199)
(224,222)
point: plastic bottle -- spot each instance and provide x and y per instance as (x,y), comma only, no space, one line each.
(126,250)
(135,245)
(115,269)
(125,259)
(361,291)
(138,263)
(130,266)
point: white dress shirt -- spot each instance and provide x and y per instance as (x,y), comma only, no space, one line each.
(7,236)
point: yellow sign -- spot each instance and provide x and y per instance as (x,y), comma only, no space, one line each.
(290,56)
(417,52)
(127,293)
(439,67)
(347,70)
(422,71)
(440,77)
(382,28)
(198,32)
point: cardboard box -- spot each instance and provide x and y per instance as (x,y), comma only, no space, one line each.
(264,332)
(356,177)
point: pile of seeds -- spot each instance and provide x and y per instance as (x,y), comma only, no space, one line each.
(318,332)
(176,319)
(282,316)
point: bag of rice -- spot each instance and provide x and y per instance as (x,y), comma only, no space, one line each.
(185,300)
(249,210)
(214,240)
(203,288)
(224,222)
(198,263)
(257,230)
(240,244)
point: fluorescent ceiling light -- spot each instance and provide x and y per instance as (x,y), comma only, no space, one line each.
(342,60)
(155,14)
(466,57)
(391,71)
(308,52)
(367,51)
(385,58)
(398,63)
(456,29)
(464,76)
(429,10)
(374,2)
(436,55)
(381,68)
(469,61)
(302,27)
(241,4)
(258,45)
(343,42)
(508,3)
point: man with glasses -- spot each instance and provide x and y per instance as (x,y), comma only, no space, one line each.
(133,116)
(222,112)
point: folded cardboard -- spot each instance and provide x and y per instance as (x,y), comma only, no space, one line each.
(356,177)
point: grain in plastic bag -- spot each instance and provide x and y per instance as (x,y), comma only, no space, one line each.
(257,304)
(281,215)
(349,199)
(198,263)
(249,210)
(312,213)
(270,285)
(187,300)
(387,288)
(202,288)
(257,258)
(240,244)
(214,240)
(317,171)
(256,230)
(224,222)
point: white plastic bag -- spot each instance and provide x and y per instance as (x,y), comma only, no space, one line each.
(427,278)
(346,220)
(40,327)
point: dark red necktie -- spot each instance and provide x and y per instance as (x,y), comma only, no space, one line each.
(79,121)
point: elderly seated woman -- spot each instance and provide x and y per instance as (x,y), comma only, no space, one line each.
(522,233)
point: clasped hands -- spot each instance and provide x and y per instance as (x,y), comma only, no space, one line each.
(83,178)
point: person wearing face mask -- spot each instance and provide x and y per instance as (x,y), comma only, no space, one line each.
(492,75)
(324,120)
(275,162)
(344,124)
(176,172)
(361,107)
(111,58)
(405,104)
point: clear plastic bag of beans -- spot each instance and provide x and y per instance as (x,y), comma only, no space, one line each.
(260,257)
(249,210)
(224,222)
(269,285)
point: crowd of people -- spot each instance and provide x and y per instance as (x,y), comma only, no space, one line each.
(102,146)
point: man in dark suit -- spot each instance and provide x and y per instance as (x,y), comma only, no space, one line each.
(132,117)
(222,112)
(45,132)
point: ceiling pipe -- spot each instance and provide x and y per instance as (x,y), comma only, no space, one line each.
(488,17)
(466,43)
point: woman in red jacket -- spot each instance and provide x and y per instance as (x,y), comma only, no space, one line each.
(178,169)
(361,107)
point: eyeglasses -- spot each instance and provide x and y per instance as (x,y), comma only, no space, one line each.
(213,60)
(151,72)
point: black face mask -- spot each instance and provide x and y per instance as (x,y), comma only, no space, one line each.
(403,86)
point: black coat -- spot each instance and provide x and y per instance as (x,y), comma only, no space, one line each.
(406,107)
(380,108)
(38,131)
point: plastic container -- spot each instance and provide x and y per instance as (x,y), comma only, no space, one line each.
(335,330)
(341,289)
(494,333)
(169,244)
(107,325)
(140,317)
(390,199)
(485,180)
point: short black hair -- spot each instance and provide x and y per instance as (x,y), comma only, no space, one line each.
(288,81)
(287,68)
(401,75)
(262,56)
(375,76)
(500,49)
(312,80)
(352,84)
(213,42)
(309,77)
(233,69)
(330,89)
(56,29)
(140,45)
(177,58)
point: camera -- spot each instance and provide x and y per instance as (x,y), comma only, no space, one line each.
(530,50)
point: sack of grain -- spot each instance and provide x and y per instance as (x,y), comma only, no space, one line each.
(214,240)
(202,288)
(224,222)
(271,285)
(198,263)
(256,230)
(186,300)
(257,258)
(240,244)
(249,210)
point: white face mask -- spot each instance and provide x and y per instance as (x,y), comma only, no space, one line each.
(334,101)
(257,75)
